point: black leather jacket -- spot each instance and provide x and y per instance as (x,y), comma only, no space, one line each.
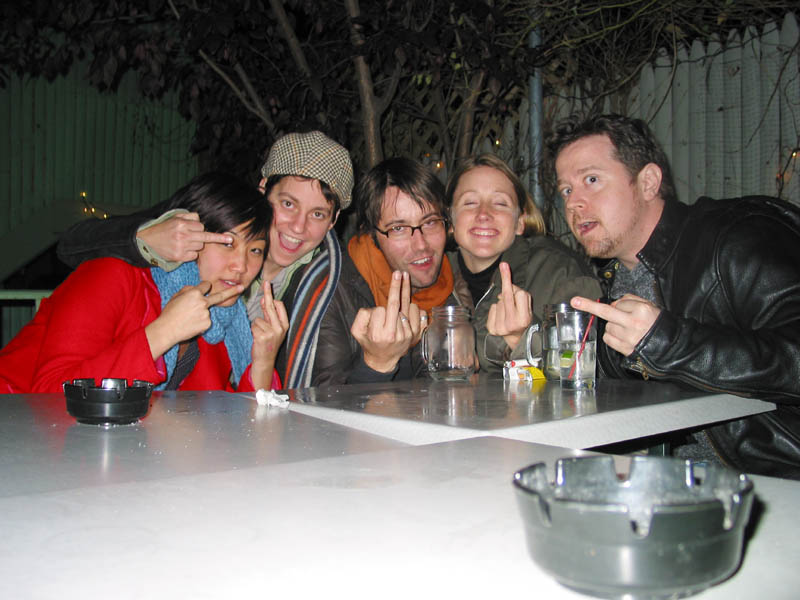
(729,276)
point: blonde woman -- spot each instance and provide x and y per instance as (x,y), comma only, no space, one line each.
(511,267)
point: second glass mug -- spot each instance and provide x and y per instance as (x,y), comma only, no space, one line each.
(551,358)
(448,344)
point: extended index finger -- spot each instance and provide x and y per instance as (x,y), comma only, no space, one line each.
(223,295)
(604,311)
(204,287)
(208,237)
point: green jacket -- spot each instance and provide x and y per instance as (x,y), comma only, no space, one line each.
(550,272)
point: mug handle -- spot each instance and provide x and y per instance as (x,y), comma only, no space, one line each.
(528,337)
(423,345)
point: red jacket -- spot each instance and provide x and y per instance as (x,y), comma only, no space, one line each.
(93,326)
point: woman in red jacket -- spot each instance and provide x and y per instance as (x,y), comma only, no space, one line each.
(184,329)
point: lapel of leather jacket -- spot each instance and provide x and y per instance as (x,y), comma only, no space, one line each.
(659,251)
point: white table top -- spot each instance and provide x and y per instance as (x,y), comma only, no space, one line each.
(423,521)
(423,411)
(42,448)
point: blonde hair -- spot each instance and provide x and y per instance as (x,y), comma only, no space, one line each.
(532,216)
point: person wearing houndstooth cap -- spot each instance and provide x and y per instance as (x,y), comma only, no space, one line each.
(315,156)
(308,178)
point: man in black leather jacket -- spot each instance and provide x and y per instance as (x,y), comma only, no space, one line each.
(707,295)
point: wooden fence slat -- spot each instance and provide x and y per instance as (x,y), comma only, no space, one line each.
(790,109)
(751,102)
(698,109)
(681,125)
(715,127)
(732,117)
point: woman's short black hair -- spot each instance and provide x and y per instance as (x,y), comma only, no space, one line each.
(225,202)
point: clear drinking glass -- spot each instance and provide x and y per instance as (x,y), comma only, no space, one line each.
(448,344)
(577,345)
(551,359)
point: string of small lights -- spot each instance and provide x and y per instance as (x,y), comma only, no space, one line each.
(90,209)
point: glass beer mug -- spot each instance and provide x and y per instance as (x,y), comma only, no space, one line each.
(448,344)
(551,359)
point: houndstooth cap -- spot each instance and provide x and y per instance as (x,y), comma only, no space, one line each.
(314,155)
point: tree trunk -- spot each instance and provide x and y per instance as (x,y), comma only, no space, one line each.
(464,148)
(294,47)
(370,117)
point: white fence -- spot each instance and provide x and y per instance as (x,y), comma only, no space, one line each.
(727,113)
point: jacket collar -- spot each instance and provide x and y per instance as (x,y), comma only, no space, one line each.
(660,246)
(516,255)
(664,240)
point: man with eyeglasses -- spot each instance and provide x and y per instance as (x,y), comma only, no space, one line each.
(393,273)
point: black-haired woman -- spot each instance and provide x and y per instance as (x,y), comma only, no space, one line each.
(184,329)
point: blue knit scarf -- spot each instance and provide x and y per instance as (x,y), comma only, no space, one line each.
(229,323)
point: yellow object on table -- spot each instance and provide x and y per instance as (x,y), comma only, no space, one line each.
(521,370)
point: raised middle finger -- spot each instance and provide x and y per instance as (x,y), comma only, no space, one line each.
(414,319)
(405,294)
(393,301)
(506,287)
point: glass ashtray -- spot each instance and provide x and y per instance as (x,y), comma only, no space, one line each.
(667,529)
(114,402)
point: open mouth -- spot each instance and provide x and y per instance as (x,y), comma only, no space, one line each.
(422,262)
(487,233)
(585,227)
(289,243)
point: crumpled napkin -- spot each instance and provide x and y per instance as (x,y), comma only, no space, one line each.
(270,398)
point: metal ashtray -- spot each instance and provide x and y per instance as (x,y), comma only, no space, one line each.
(113,403)
(668,529)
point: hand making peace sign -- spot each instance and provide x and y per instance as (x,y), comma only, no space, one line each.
(185,316)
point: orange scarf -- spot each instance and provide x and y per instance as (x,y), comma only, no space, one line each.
(372,265)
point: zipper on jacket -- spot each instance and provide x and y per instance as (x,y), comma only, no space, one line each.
(486,293)
(642,368)
(648,373)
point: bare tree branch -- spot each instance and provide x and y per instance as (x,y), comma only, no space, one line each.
(294,47)
(261,114)
(369,109)
(464,147)
(256,106)
(385,99)
(260,111)
(444,132)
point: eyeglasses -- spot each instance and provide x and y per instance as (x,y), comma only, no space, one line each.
(402,232)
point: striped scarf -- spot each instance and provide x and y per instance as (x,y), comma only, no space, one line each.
(314,294)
